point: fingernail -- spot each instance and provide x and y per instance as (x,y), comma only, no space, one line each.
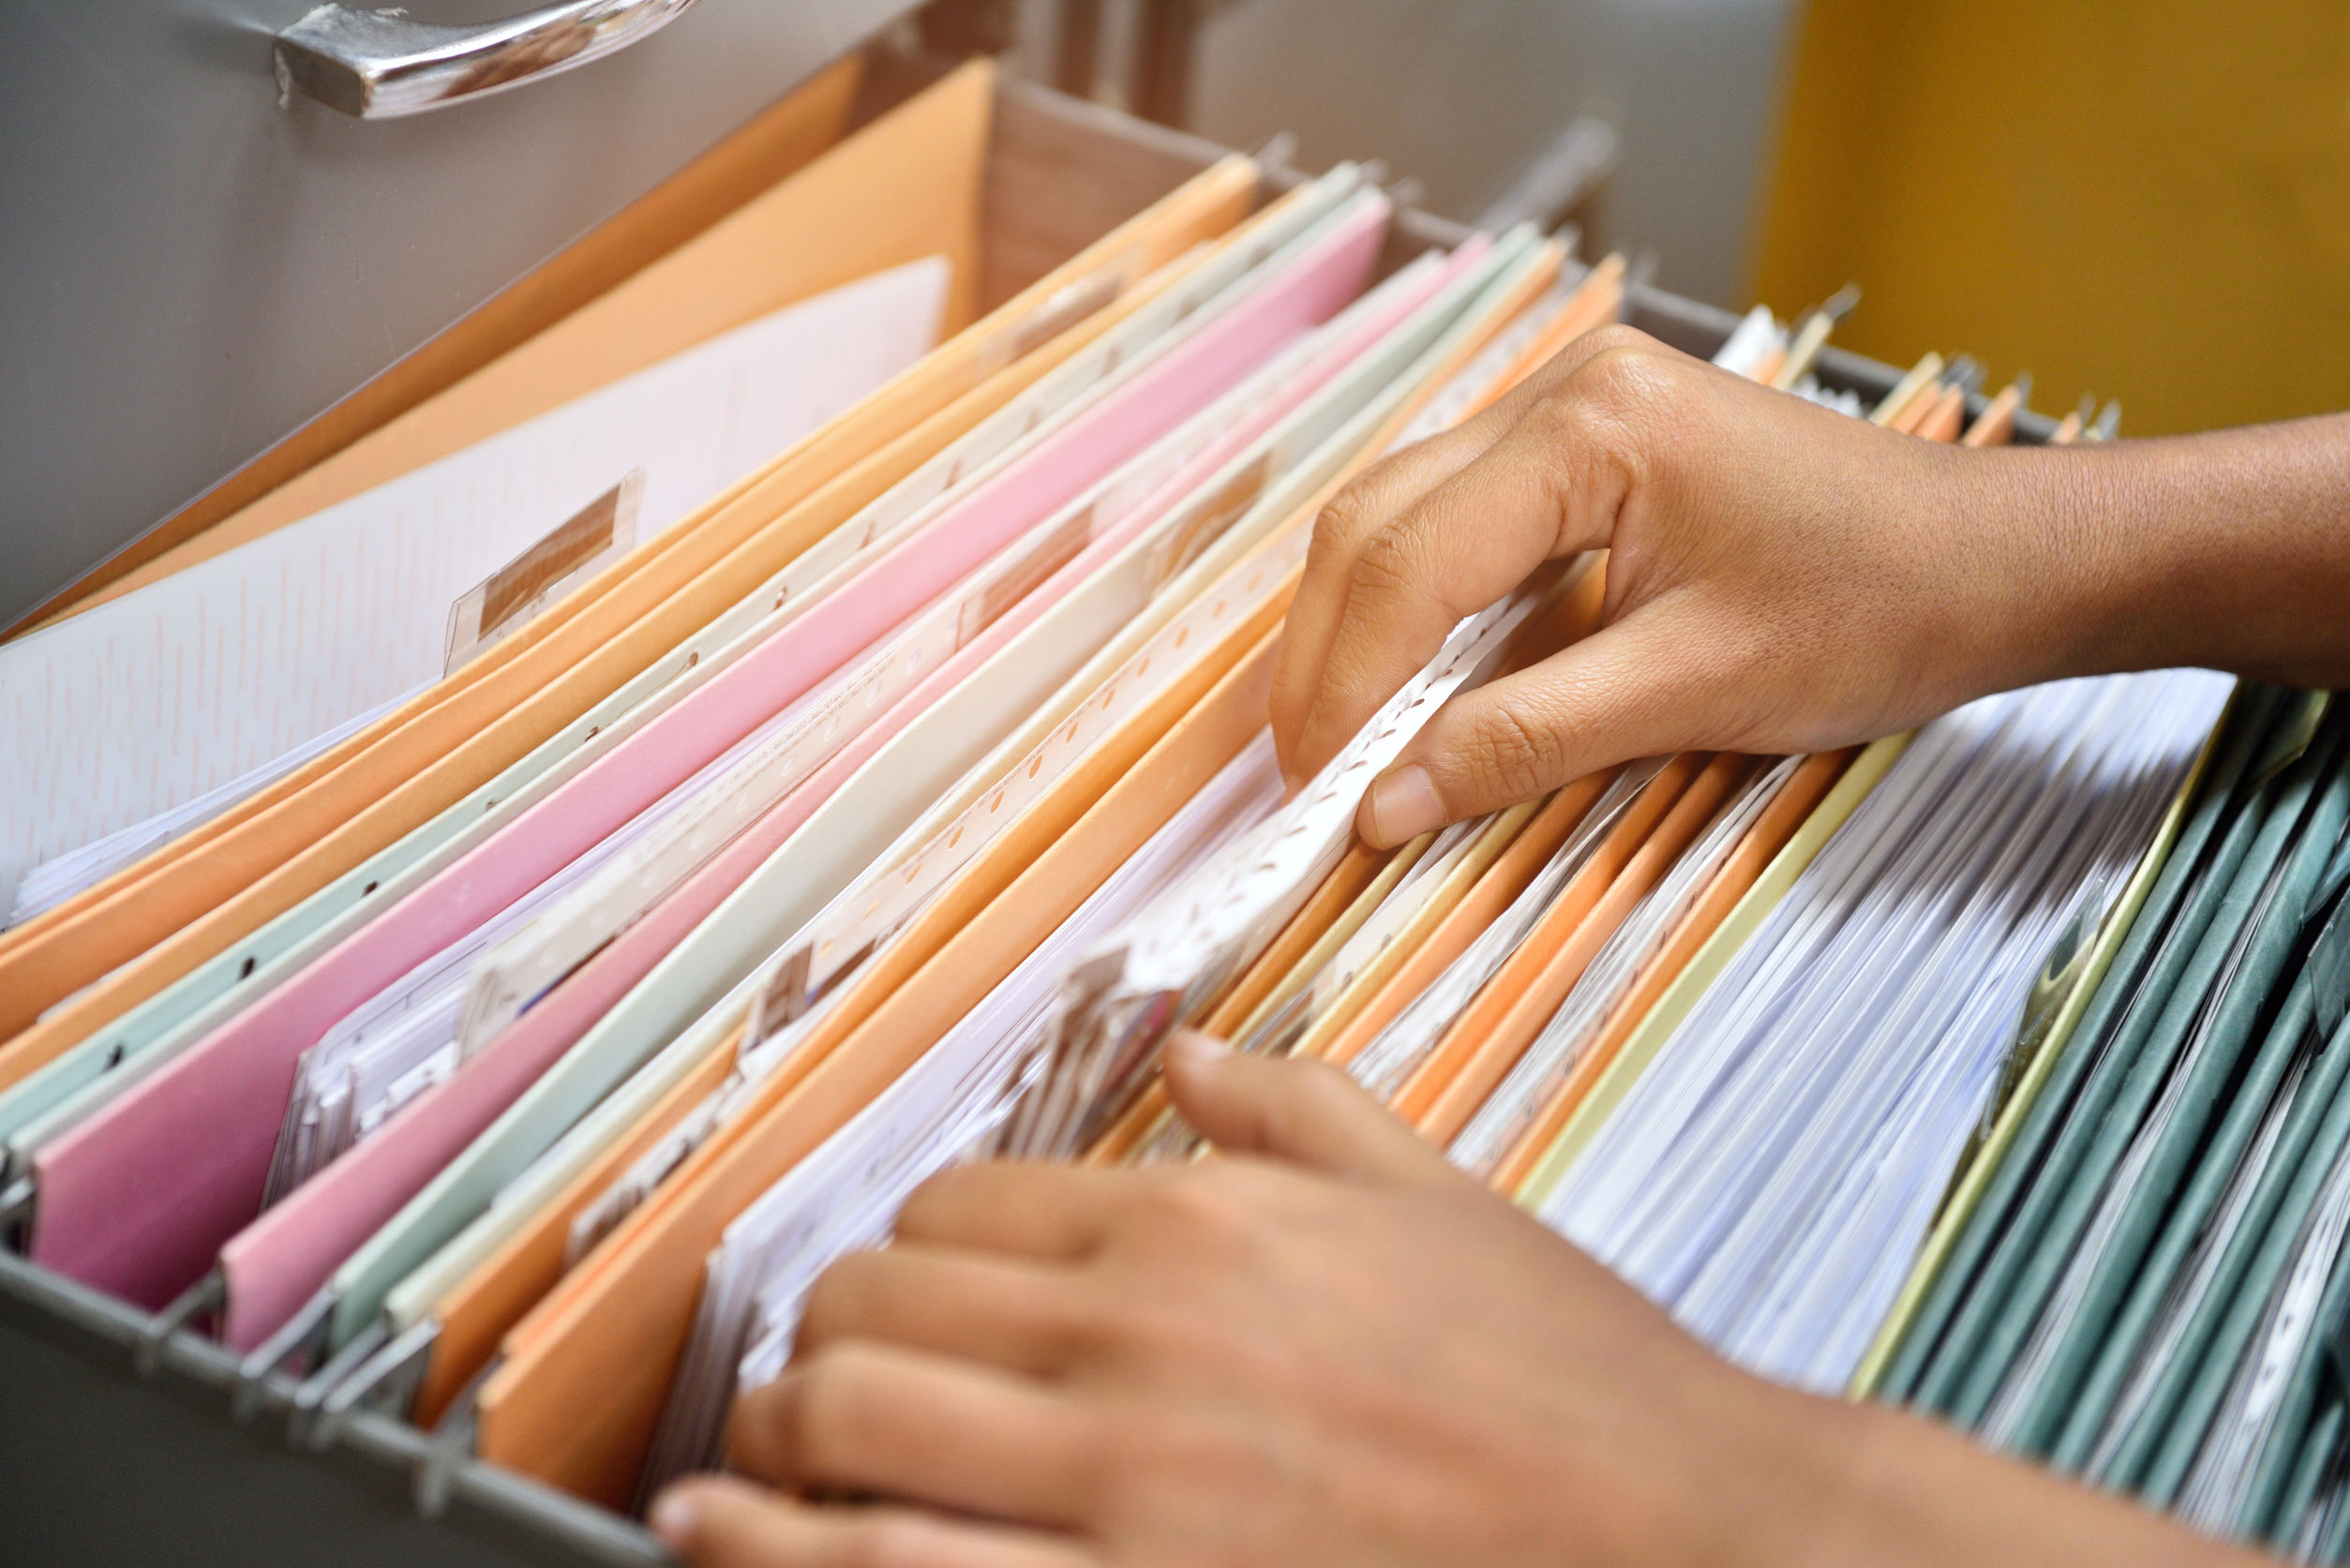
(1403,805)
(675,1514)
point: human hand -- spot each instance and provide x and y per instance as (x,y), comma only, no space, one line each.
(1781,578)
(1321,1346)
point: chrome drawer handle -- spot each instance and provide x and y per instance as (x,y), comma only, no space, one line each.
(378,64)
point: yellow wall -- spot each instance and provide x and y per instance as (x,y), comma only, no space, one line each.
(2149,200)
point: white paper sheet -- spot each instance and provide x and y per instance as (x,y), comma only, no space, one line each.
(54,881)
(115,715)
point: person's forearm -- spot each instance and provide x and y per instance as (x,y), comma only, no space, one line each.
(1916,1495)
(2229,550)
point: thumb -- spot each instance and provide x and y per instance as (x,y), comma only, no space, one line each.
(1628,690)
(1304,1112)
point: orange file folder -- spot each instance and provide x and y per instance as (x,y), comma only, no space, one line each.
(1495,891)
(1941,421)
(1354,874)
(1466,1066)
(480,1307)
(1777,823)
(1996,424)
(1551,935)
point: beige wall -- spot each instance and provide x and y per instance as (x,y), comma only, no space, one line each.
(2148,200)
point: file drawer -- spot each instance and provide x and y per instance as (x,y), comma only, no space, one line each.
(128,1441)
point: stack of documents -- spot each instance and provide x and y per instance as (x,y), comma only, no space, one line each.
(1772,1173)
(595,872)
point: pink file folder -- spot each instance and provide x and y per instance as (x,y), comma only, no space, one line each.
(138,1200)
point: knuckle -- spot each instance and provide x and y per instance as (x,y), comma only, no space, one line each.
(757,1438)
(1161,1338)
(1515,752)
(924,1213)
(1084,1328)
(1111,1455)
(1193,1208)
(1384,566)
(1646,388)
(1618,389)
(1344,518)
(1219,1189)
(1194,1458)
(1616,338)
(1374,495)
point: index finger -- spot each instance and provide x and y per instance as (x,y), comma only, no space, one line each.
(1386,492)
(1380,492)
(1551,487)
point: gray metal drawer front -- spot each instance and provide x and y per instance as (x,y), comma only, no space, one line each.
(191,268)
